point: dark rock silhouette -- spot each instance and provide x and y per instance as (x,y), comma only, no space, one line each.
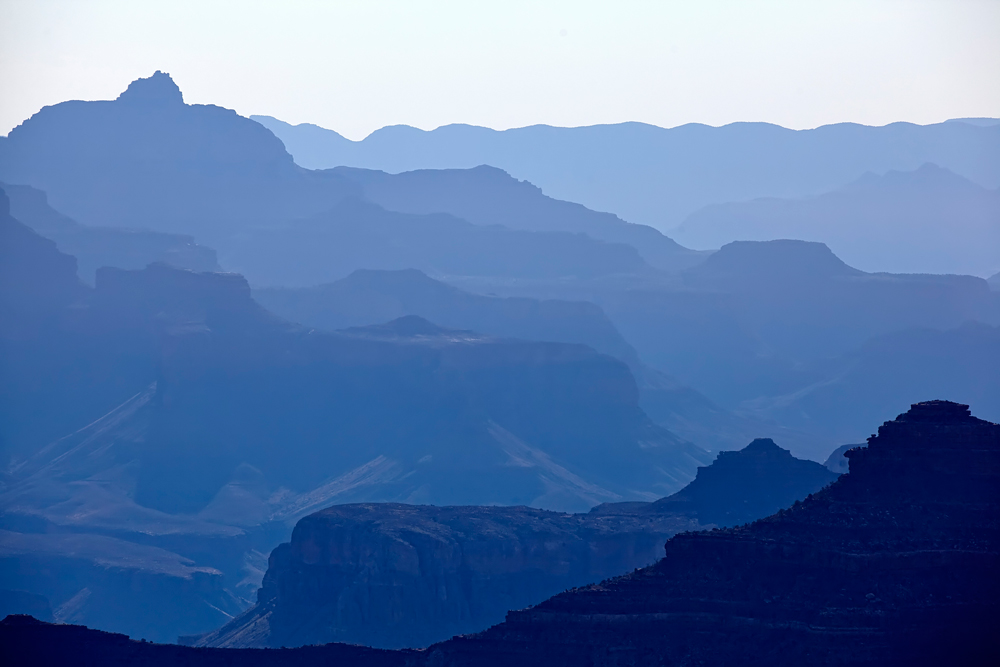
(27,641)
(892,564)
(95,247)
(925,221)
(658,176)
(740,487)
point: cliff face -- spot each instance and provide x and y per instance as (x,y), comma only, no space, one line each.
(392,575)
(895,563)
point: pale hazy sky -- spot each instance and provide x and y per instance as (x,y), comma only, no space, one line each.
(357,66)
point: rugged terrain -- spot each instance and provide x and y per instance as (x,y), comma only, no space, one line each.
(894,563)
(392,575)
(162,432)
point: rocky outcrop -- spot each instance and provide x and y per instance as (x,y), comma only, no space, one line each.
(838,461)
(391,575)
(895,563)
(740,487)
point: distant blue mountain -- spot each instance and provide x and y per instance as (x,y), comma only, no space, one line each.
(488,196)
(926,221)
(360,235)
(658,176)
(148,160)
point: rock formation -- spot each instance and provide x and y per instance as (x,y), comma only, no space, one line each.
(392,575)
(895,563)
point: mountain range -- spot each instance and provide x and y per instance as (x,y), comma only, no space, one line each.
(749,328)
(658,176)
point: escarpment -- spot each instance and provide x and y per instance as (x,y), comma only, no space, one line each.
(393,575)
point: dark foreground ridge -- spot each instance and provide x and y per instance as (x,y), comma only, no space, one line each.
(894,563)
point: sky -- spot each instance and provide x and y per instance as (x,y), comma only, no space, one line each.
(357,66)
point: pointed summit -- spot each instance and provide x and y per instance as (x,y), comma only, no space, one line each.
(158,89)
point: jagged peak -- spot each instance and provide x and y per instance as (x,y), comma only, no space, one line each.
(158,89)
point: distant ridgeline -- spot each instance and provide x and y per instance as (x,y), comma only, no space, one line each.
(893,564)
(658,176)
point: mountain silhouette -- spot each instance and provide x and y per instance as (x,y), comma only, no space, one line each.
(149,160)
(488,196)
(659,176)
